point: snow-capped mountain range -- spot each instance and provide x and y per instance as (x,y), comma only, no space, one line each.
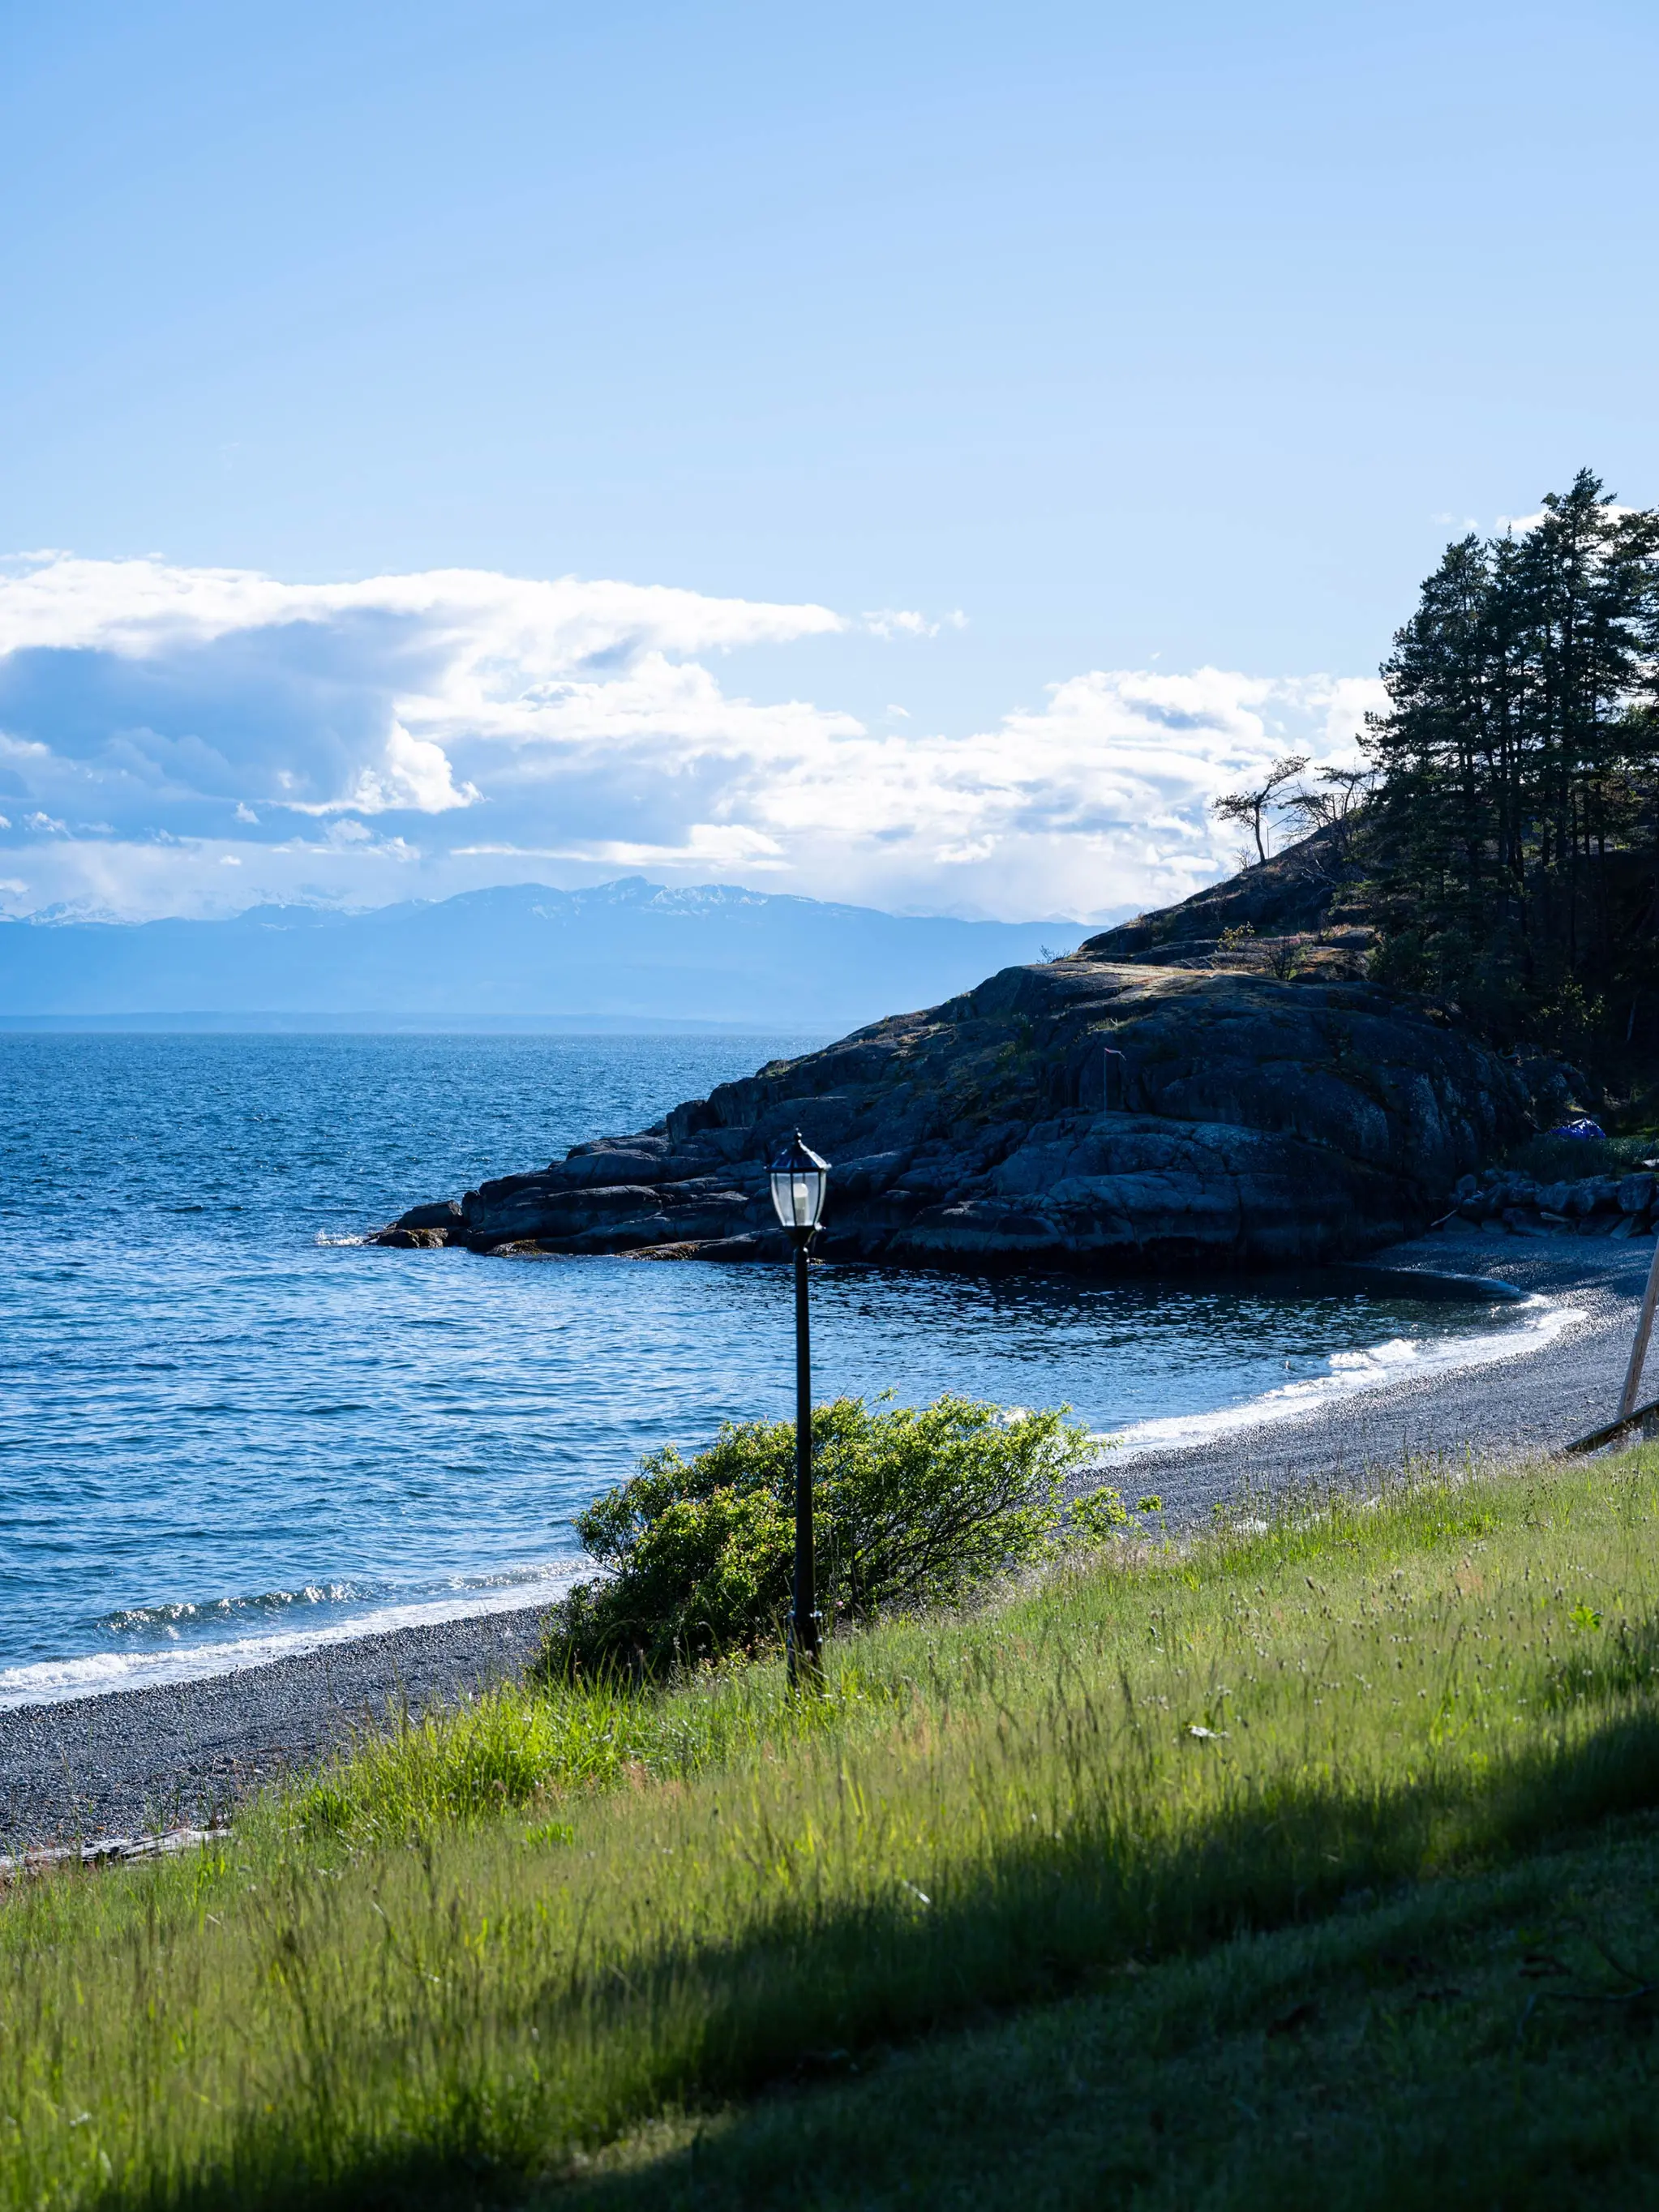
(616,954)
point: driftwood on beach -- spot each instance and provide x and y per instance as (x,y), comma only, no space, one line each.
(105,1850)
(1639,1419)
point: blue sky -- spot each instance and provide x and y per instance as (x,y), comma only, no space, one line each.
(1041,412)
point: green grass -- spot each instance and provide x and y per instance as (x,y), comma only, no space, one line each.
(1488,2041)
(1570,1159)
(1127,1813)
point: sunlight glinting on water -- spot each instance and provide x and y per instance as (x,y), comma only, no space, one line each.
(232,1429)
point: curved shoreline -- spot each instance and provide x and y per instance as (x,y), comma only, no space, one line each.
(126,1760)
(1389,1371)
(177,1754)
(1536,1399)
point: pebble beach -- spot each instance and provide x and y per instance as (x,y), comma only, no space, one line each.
(185,1754)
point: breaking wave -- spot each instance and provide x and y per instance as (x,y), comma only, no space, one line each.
(52,1682)
(1535,1322)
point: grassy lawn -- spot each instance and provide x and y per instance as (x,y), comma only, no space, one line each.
(1313,1864)
(1483,2041)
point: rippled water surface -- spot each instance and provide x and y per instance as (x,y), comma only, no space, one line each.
(223,1426)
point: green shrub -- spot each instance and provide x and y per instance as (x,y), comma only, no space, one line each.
(1097,1516)
(1567,1159)
(913,1507)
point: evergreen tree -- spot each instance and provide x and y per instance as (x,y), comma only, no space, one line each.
(1514,835)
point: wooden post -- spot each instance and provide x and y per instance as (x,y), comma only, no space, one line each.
(1597,1437)
(1638,1350)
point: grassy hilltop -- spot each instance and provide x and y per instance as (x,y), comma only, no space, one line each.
(1312,1864)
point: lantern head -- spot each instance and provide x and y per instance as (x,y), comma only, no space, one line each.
(800,1179)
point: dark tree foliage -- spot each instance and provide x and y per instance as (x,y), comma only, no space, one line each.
(1513,834)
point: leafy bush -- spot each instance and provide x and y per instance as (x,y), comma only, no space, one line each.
(913,1507)
(1567,1159)
(1097,1517)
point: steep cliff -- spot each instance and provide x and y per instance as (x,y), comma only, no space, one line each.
(1085,1113)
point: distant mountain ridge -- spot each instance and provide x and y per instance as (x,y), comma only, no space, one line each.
(617,952)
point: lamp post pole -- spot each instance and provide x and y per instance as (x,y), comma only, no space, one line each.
(798,1179)
(805,1656)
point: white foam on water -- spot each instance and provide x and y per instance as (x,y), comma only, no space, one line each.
(52,1682)
(1537,1321)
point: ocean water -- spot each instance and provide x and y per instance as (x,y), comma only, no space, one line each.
(228,1428)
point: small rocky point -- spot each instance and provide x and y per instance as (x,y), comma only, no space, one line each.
(1133,1106)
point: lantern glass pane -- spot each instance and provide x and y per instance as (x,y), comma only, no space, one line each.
(799,1179)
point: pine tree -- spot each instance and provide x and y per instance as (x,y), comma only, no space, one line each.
(1513,834)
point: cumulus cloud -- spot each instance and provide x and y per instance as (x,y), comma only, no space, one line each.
(904,622)
(1097,799)
(418,735)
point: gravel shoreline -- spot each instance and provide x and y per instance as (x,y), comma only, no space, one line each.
(185,1754)
(179,1754)
(1538,1401)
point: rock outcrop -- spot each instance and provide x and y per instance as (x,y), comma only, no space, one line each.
(1585,1206)
(1297,913)
(1085,1113)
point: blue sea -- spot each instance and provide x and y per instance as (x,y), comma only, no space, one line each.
(229,1428)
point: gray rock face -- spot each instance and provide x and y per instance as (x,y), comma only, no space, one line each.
(1083,1113)
(1594,1206)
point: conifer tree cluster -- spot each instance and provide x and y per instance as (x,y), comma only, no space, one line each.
(1512,836)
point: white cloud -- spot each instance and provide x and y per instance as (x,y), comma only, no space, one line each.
(143,607)
(704,845)
(431,733)
(1051,809)
(1519,524)
(904,622)
(414,774)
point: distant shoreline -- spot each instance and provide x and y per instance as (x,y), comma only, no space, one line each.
(371,1023)
(123,1760)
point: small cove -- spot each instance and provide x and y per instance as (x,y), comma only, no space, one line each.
(232,1430)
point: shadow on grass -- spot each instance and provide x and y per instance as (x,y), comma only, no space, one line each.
(686,2027)
(1486,2042)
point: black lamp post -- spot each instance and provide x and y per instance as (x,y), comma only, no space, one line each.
(800,1179)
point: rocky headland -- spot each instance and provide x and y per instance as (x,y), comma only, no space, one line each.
(1154,1101)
